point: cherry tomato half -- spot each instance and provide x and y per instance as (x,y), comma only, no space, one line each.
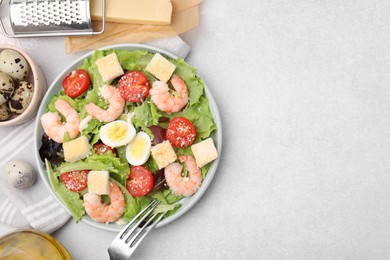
(134,86)
(101,148)
(181,132)
(76,83)
(140,181)
(75,180)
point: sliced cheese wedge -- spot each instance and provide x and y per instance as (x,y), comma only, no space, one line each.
(157,12)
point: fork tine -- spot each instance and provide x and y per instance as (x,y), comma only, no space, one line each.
(130,228)
(140,236)
(127,240)
(125,229)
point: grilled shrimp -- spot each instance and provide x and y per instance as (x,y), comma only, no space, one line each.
(164,100)
(54,128)
(184,186)
(116,105)
(102,212)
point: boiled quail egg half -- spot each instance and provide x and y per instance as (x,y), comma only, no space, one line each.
(117,133)
(138,150)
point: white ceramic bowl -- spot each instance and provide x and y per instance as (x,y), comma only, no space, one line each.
(37,78)
(186,203)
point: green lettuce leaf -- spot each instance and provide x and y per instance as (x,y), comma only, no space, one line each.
(71,199)
(200,115)
(171,197)
(194,84)
(133,60)
(93,72)
(146,115)
(133,205)
(117,169)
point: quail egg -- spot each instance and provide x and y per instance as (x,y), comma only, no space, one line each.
(22,97)
(117,133)
(5,112)
(20,174)
(14,64)
(6,87)
(138,150)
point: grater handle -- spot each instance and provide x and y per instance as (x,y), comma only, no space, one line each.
(103,17)
(4,31)
(2,28)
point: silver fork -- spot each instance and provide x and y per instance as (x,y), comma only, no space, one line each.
(129,238)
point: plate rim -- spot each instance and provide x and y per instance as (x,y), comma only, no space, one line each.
(191,200)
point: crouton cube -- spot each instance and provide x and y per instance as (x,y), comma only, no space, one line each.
(99,182)
(163,154)
(161,67)
(204,152)
(76,149)
(109,67)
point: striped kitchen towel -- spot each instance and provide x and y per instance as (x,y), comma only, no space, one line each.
(10,215)
(45,215)
(34,207)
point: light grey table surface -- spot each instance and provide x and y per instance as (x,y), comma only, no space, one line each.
(303,88)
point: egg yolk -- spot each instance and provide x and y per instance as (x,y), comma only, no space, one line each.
(117,132)
(138,148)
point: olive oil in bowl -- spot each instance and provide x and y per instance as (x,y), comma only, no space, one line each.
(31,244)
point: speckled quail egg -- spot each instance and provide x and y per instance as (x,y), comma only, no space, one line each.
(21,98)
(20,174)
(6,87)
(14,64)
(5,112)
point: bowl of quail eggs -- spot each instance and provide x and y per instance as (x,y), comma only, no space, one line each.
(22,86)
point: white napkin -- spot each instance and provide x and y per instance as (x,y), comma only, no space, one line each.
(173,44)
(10,215)
(35,207)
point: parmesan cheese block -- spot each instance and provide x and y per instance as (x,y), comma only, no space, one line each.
(157,12)
(163,154)
(161,67)
(76,149)
(204,152)
(109,67)
(99,182)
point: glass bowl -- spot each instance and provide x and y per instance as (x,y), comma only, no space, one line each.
(31,244)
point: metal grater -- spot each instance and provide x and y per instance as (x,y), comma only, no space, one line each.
(30,18)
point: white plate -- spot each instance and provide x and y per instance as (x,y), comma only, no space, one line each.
(55,87)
